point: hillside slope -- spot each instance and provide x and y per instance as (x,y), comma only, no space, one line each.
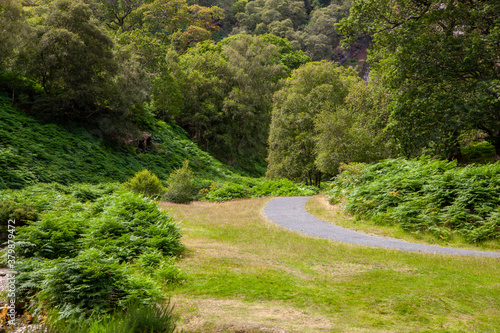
(31,152)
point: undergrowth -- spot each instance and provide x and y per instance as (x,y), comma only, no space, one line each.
(425,195)
(255,188)
(137,318)
(88,250)
(33,152)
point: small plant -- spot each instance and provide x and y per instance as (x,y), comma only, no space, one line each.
(146,183)
(21,213)
(227,192)
(181,188)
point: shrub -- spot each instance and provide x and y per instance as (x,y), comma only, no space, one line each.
(425,195)
(54,236)
(229,191)
(181,187)
(21,213)
(58,263)
(128,225)
(89,282)
(146,183)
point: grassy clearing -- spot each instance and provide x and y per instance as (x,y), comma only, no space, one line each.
(247,275)
(322,209)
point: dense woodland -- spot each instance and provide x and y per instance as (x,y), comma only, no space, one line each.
(240,77)
(207,94)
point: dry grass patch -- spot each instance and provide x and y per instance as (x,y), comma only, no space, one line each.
(224,315)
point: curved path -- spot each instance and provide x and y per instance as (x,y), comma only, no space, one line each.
(289,212)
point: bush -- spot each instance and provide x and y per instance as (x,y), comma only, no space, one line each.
(61,269)
(90,282)
(128,225)
(181,187)
(21,213)
(279,187)
(146,183)
(54,236)
(226,192)
(425,195)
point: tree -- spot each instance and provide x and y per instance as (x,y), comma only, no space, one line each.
(308,30)
(12,26)
(228,97)
(353,131)
(122,14)
(73,61)
(181,24)
(207,80)
(257,72)
(440,59)
(312,88)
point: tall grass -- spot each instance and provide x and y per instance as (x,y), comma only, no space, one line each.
(137,318)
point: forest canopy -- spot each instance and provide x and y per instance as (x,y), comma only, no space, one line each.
(236,75)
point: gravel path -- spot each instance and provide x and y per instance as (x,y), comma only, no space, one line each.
(289,212)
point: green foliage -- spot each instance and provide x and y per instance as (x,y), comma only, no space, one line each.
(90,282)
(227,192)
(260,188)
(127,225)
(181,188)
(282,187)
(72,58)
(32,152)
(441,66)
(146,183)
(308,29)
(478,152)
(322,117)
(21,213)
(13,27)
(77,258)
(228,96)
(425,195)
(353,131)
(138,318)
(54,236)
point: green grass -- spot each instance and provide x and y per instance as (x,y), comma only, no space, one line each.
(238,262)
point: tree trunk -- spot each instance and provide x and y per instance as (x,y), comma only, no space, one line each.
(456,152)
(317,182)
(497,152)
